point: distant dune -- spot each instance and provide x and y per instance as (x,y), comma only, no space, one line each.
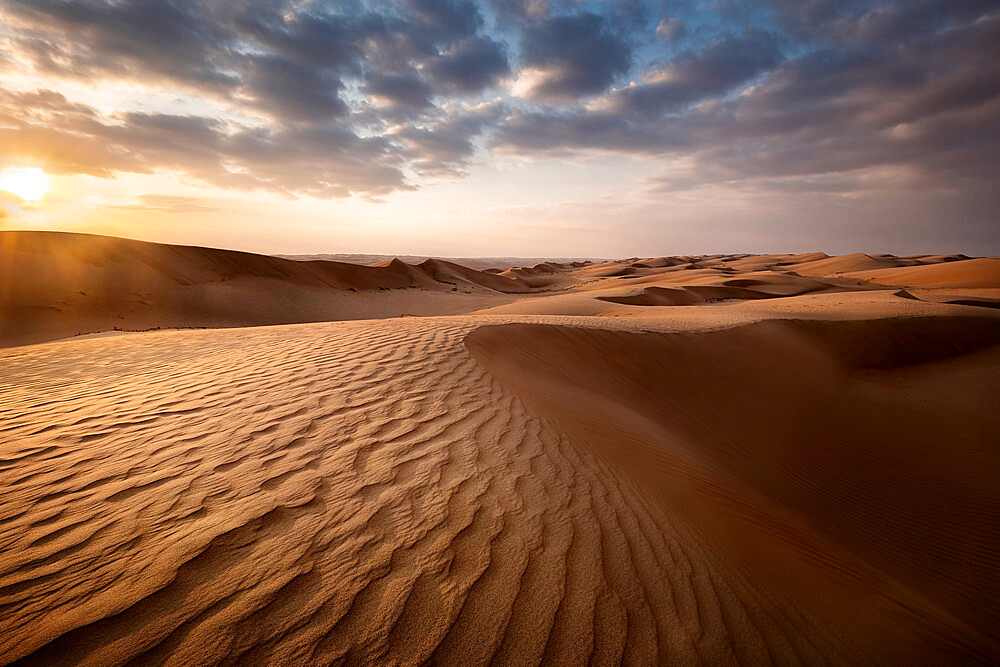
(982,272)
(846,263)
(54,285)
(480,263)
(726,459)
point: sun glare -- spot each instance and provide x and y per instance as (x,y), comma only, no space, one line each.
(28,183)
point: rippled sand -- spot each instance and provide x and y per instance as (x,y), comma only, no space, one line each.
(371,492)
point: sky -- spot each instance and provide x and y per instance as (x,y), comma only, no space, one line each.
(507,127)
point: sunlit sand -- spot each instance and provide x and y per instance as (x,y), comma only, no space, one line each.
(725,459)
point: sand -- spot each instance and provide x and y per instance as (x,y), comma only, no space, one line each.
(981,272)
(802,474)
(481,263)
(55,285)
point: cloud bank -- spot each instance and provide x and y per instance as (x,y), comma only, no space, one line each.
(333,99)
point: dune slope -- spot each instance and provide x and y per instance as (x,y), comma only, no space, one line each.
(841,433)
(54,285)
(979,272)
(374,492)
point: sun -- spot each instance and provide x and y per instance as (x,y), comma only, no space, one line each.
(28,183)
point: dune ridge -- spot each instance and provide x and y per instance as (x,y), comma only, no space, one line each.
(480,263)
(763,287)
(54,285)
(979,272)
(831,448)
(187,265)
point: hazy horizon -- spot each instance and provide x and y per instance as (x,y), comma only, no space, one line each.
(536,256)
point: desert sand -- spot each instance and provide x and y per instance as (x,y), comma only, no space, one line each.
(739,459)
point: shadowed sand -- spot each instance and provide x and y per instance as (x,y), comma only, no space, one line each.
(54,285)
(637,483)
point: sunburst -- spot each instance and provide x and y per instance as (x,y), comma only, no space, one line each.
(28,183)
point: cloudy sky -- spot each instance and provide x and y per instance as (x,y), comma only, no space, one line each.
(500,127)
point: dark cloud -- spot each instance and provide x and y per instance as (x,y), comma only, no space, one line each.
(329,41)
(321,161)
(446,20)
(520,10)
(297,68)
(570,56)
(470,66)
(292,91)
(726,62)
(879,23)
(402,91)
(157,38)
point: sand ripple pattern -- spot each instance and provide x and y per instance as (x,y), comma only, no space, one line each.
(356,492)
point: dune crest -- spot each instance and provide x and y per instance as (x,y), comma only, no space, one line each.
(84,284)
(81,283)
(980,272)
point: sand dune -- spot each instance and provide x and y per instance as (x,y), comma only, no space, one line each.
(81,284)
(480,263)
(54,285)
(936,296)
(981,272)
(760,286)
(657,262)
(844,264)
(371,492)
(686,296)
(827,454)
(658,296)
(773,469)
(762,262)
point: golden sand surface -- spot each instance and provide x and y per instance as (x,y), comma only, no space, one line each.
(713,460)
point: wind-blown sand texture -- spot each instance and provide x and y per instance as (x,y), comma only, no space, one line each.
(803,475)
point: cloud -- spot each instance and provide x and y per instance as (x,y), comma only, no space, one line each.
(521,10)
(692,76)
(284,75)
(322,161)
(819,98)
(169,40)
(568,56)
(401,91)
(470,66)
(443,148)
(446,20)
(170,204)
(291,91)
(930,106)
